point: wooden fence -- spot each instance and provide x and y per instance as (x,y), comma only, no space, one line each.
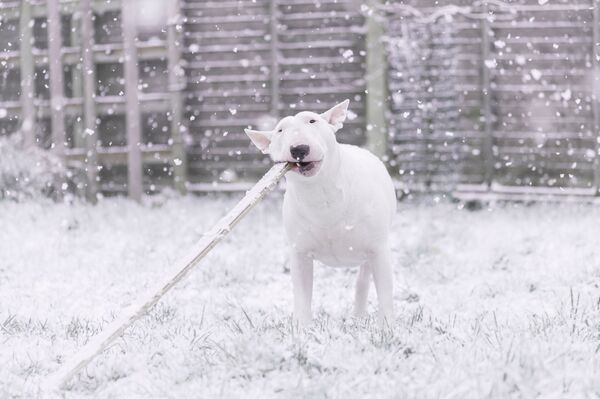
(87,77)
(468,96)
(495,96)
(251,61)
(137,110)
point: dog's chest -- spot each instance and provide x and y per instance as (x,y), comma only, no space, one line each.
(336,239)
(339,224)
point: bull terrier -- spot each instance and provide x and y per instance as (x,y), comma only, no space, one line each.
(337,209)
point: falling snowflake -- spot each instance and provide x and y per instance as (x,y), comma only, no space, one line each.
(491,63)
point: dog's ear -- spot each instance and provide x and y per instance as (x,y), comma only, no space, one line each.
(337,114)
(260,138)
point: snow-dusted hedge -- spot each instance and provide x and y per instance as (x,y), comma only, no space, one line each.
(29,172)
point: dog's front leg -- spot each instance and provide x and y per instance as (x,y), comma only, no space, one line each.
(302,280)
(383,276)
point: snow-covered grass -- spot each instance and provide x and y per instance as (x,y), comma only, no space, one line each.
(500,302)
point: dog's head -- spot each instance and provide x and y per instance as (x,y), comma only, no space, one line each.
(305,139)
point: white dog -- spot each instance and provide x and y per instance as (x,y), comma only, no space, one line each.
(338,206)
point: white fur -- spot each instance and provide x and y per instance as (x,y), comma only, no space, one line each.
(339,212)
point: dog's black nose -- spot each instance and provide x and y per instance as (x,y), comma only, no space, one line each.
(299,152)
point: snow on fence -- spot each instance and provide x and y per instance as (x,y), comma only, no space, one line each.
(483,95)
(494,95)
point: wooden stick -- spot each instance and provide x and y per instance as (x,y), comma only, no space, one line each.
(146,301)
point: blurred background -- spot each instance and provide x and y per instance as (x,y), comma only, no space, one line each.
(468,98)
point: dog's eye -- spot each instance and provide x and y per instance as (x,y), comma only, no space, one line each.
(280,130)
(312,121)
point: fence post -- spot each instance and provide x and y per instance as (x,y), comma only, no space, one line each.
(55,65)
(27,67)
(77,80)
(88,71)
(134,135)
(488,142)
(275,73)
(596,94)
(376,83)
(176,86)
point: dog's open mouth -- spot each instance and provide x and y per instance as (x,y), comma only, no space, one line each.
(306,168)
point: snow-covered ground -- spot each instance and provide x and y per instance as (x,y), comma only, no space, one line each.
(502,302)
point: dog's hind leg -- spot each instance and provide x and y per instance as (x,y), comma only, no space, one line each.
(362,291)
(301,267)
(383,276)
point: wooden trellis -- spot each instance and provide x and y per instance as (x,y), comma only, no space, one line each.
(91,53)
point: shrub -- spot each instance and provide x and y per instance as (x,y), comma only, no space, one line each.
(29,172)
